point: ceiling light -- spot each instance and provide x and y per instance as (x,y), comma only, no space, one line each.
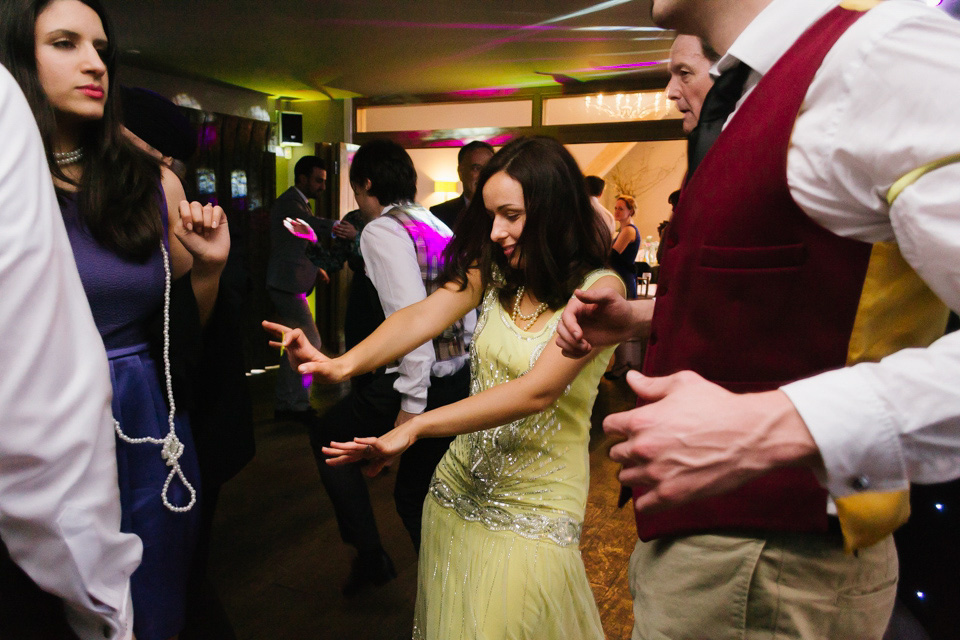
(630,106)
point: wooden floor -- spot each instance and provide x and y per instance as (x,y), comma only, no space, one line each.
(278,562)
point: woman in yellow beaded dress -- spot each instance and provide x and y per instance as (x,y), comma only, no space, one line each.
(500,553)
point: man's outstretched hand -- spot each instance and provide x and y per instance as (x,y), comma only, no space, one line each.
(691,438)
(600,318)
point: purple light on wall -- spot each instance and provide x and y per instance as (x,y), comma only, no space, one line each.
(499,141)
(443,144)
(208,136)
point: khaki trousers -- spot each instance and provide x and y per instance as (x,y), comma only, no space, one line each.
(729,587)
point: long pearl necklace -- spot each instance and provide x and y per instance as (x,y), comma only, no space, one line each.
(63,158)
(171,448)
(531,318)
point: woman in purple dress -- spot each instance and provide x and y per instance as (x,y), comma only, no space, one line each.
(118,204)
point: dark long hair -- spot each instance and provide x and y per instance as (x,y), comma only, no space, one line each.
(118,194)
(562,238)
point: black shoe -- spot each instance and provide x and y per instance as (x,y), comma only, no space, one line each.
(288,415)
(369,569)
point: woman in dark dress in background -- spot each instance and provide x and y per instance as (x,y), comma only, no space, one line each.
(118,204)
(623,256)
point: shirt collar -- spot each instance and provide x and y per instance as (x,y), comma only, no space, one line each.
(771,33)
(305,199)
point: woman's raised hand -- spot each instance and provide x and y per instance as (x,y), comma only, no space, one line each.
(202,229)
(301,229)
(377,451)
(303,356)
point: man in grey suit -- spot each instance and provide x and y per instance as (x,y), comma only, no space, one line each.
(291,276)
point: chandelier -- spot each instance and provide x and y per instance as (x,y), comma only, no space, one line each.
(645,105)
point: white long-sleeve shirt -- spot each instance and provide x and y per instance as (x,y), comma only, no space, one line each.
(391,263)
(882,104)
(59,498)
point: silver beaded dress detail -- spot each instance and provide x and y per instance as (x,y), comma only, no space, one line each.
(500,553)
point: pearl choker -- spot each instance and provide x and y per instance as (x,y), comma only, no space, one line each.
(531,318)
(63,158)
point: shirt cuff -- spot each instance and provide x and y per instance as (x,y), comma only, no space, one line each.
(855,433)
(413,404)
(105,624)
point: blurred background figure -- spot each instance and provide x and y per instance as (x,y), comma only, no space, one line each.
(470,160)
(595,185)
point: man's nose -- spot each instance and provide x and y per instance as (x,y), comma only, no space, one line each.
(673,89)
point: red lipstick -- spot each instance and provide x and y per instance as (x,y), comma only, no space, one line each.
(92,91)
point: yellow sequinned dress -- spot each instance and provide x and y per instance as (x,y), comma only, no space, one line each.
(500,555)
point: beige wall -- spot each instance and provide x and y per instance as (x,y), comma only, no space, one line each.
(649,172)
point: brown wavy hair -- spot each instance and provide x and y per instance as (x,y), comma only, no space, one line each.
(562,238)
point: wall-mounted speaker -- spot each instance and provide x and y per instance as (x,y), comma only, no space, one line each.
(291,128)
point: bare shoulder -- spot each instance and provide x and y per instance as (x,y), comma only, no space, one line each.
(172,189)
(609,281)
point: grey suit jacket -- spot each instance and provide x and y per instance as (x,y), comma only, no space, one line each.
(289,269)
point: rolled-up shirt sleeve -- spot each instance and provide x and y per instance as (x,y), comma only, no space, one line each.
(880,426)
(59,498)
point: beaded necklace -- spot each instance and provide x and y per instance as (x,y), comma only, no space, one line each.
(171,448)
(63,158)
(531,318)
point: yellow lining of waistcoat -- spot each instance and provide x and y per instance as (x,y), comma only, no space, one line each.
(897,310)
(911,177)
(859,5)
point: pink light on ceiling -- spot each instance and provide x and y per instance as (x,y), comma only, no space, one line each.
(406,24)
(490,92)
(623,67)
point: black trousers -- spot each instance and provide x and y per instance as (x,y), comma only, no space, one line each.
(370,409)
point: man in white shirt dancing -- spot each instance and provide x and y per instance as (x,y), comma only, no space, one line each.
(402,245)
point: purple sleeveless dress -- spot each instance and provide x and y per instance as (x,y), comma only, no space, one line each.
(123,296)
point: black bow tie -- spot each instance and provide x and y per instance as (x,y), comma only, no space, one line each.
(720,102)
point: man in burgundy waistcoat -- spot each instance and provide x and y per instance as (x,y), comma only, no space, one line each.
(796,360)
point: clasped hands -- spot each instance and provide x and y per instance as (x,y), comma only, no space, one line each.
(688,438)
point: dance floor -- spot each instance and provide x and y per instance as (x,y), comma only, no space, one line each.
(278,562)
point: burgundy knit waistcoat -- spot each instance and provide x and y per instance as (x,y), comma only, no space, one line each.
(752,293)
